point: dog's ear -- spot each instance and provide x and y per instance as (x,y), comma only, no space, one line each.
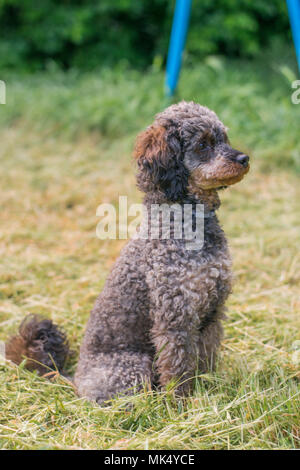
(160,162)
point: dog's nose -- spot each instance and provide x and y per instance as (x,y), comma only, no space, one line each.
(243,160)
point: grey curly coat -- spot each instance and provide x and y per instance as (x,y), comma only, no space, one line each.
(159,316)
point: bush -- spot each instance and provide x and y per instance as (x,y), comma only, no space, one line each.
(84,34)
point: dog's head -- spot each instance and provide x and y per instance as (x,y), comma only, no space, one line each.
(186,149)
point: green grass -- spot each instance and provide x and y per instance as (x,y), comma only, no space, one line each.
(253,99)
(65,148)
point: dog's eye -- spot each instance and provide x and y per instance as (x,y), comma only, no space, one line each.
(204,146)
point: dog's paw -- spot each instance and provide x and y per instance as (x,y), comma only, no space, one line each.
(102,400)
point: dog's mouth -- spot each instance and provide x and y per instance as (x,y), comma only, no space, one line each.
(219,177)
(234,178)
(218,185)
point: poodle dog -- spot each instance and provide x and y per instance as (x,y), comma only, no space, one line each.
(158,317)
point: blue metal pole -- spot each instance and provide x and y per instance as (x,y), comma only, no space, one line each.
(294,14)
(177,43)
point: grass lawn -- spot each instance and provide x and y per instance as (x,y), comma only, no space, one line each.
(65,148)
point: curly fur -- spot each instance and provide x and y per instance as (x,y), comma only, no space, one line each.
(158,317)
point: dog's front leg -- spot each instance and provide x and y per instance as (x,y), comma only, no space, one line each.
(175,336)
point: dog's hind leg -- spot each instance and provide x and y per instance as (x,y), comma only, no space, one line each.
(102,376)
(209,341)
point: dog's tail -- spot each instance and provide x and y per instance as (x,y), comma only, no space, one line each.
(41,343)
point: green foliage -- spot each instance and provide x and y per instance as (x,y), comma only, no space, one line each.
(236,28)
(85,34)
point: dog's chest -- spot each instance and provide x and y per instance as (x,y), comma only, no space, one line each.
(201,281)
(207,281)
